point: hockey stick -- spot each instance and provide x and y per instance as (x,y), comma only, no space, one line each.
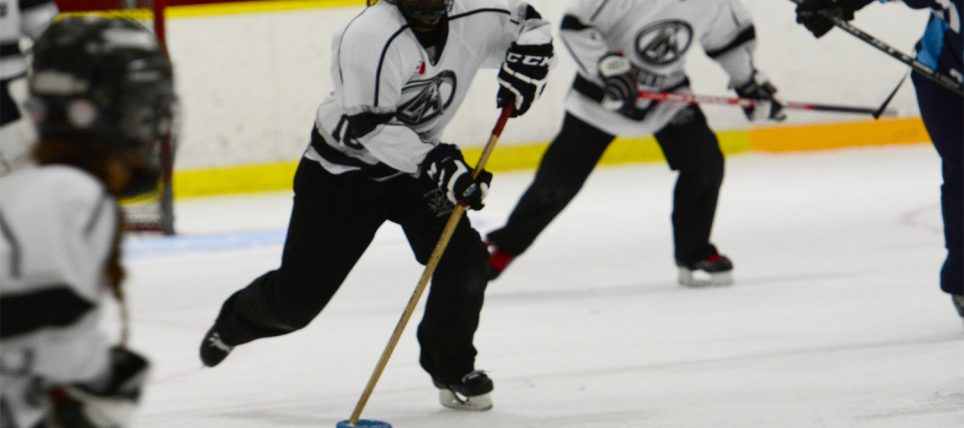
(938,78)
(678,97)
(883,105)
(433,261)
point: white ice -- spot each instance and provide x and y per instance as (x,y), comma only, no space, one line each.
(835,320)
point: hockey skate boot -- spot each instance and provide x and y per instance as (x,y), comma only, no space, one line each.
(213,349)
(715,270)
(498,260)
(470,393)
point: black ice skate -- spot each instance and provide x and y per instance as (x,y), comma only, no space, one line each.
(213,349)
(498,261)
(715,270)
(471,393)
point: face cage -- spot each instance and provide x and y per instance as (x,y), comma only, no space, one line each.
(147,122)
(424,16)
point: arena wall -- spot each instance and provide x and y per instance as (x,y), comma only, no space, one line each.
(250,75)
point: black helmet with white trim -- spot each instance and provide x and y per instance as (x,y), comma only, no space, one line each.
(108,84)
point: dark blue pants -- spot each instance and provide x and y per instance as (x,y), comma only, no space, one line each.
(944,118)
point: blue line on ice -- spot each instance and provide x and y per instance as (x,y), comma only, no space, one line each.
(151,247)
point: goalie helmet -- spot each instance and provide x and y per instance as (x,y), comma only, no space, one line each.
(105,83)
(423,15)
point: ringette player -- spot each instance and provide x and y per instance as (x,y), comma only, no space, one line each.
(622,47)
(103,97)
(943,112)
(400,69)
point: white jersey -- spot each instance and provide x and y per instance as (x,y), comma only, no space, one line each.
(655,36)
(57,227)
(398,97)
(19,18)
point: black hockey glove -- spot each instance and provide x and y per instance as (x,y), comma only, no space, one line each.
(106,402)
(809,13)
(523,76)
(619,78)
(768,106)
(446,167)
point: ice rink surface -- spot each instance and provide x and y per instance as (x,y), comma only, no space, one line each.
(835,320)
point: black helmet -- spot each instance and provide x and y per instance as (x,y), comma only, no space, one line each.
(423,15)
(108,83)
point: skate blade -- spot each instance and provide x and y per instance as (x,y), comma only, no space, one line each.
(450,399)
(695,279)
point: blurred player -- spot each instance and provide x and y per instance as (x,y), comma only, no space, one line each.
(622,47)
(18,19)
(942,111)
(400,69)
(102,97)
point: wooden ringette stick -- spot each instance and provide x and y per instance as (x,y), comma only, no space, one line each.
(433,261)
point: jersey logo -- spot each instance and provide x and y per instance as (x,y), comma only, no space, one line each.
(664,42)
(426,100)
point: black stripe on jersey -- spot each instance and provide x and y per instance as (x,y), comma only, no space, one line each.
(381,59)
(598,9)
(597,93)
(748,34)
(28,4)
(54,306)
(379,170)
(14,247)
(572,23)
(364,123)
(9,49)
(95,215)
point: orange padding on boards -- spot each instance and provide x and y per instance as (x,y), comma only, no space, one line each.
(837,135)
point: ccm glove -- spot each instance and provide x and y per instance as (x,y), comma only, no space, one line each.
(767,105)
(445,166)
(522,77)
(620,83)
(106,402)
(809,13)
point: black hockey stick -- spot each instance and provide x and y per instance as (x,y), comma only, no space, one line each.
(678,97)
(938,78)
(443,242)
(883,106)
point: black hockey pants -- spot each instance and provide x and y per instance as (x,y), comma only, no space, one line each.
(942,112)
(687,142)
(333,221)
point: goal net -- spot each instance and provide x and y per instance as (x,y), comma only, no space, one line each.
(153,212)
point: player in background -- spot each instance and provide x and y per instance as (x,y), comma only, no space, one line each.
(400,70)
(18,19)
(102,96)
(622,47)
(942,111)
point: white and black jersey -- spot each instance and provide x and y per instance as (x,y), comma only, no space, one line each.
(21,18)
(57,229)
(655,35)
(393,97)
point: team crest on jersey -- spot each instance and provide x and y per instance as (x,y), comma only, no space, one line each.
(427,99)
(664,42)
